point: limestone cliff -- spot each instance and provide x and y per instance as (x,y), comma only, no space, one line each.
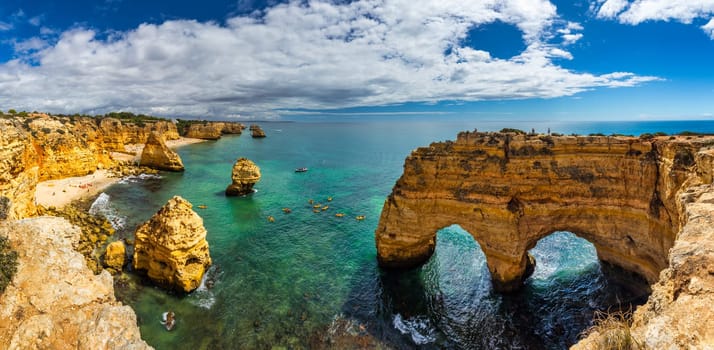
(634,199)
(55,301)
(118,133)
(232,128)
(244,176)
(172,248)
(157,155)
(18,172)
(205,130)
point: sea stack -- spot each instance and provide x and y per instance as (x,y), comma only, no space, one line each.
(115,256)
(245,174)
(172,248)
(157,155)
(256,131)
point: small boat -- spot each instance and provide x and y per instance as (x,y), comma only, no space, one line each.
(301,170)
(271,219)
(168,319)
(325,207)
(329,199)
(317,206)
(360,217)
(316,210)
(287,210)
(202,206)
(310,201)
(339,215)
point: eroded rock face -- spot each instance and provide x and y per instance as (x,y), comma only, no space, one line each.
(172,248)
(115,255)
(244,176)
(158,156)
(206,131)
(511,190)
(18,172)
(233,128)
(55,301)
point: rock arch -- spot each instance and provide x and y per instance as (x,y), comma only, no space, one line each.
(509,190)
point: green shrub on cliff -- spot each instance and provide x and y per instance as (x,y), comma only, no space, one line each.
(8,263)
(515,131)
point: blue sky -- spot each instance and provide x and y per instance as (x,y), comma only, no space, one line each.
(495,59)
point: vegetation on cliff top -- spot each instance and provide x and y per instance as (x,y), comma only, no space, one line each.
(8,263)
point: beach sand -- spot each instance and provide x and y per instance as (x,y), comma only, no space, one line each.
(58,193)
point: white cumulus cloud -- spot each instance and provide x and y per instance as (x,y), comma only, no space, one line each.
(300,55)
(638,11)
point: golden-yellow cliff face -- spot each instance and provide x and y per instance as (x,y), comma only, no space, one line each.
(511,190)
(157,155)
(206,130)
(172,248)
(117,134)
(256,131)
(646,205)
(18,172)
(68,147)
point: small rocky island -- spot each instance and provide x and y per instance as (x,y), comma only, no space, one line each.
(172,248)
(256,131)
(244,176)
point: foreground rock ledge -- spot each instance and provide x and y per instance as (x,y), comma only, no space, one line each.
(55,301)
(172,248)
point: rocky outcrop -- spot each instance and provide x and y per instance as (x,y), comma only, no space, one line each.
(244,176)
(158,156)
(232,128)
(205,130)
(511,190)
(256,131)
(172,248)
(115,255)
(54,301)
(19,172)
(646,205)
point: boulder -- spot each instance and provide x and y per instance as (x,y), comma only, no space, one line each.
(115,255)
(172,248)
(245,175)
(158,156)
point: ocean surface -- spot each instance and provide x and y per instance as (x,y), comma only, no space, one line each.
(310,280)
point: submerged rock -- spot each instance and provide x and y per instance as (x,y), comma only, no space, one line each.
(157,155)
(245,175)
(172,248)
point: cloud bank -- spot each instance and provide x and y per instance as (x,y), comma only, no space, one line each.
(309,55)
(638,11)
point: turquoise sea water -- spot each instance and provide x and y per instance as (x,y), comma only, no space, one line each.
(297,282)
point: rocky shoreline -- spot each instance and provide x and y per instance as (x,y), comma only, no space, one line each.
(61,296)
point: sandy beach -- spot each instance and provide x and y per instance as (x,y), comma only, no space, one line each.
(60,192)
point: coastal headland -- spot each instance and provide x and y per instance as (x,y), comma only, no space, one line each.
(56,300)
(645,203)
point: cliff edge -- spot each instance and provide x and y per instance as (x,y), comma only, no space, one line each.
(54,300)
